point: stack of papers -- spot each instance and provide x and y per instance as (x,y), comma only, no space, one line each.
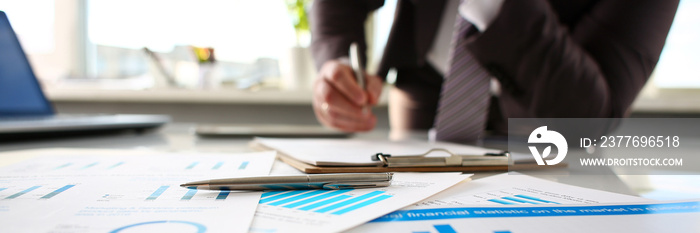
(338,210)
(518,203)
(357,152)
(82,191)
(502,203)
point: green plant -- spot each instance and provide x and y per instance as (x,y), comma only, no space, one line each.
(300,20)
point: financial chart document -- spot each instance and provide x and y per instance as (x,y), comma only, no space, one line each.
(510,203)
(338,210)
(70,191)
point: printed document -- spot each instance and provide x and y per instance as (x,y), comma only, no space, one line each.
(71,191)
(338,210)
(520,203)
(648,216)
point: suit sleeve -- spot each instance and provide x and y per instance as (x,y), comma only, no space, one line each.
(592,68)
(335,24)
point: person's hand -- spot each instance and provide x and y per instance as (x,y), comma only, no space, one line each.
(339,102)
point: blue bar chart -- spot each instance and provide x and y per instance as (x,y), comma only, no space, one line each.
(217,165)
(521,199)
(192,165)
(101,166)
(447,228)
(63,166)
(443,228)
(72,166)
(336,202)
(35,191)
(157,193)
(166,193)
(189,195)
(243,165)
(20,193)
(90,165)
(116,165)
(223,194)
(57,191)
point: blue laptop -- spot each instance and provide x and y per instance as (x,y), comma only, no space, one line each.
(25,111)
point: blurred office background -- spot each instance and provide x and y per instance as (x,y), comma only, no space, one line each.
(240,61)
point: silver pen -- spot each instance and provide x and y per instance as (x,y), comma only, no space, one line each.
(357,64)
(357,69)
(325,181)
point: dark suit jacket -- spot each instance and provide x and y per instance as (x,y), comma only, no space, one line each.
(553,58)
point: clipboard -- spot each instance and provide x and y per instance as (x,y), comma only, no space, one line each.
(417,163)
(266,130)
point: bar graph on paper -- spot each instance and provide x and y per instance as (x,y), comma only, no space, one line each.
(440,228)
(105,165)
(166,193)
(335,202)
(36,192)
(447,228)
(76,166)
(521,199)
(512,196)
(216,166)
(109,165)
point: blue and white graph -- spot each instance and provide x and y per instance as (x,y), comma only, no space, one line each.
(521,199)
(447,228)
(166,193)
(38,192)
(126,191)
(336,202)
(442,228)
(72,165)
(216,166)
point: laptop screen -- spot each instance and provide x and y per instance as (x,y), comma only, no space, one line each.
(20,93)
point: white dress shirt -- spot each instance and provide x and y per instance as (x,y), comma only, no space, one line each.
(478,12)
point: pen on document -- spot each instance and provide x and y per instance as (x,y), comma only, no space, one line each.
(325,181)
(357,68)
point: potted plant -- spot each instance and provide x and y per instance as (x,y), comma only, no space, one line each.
(297,66)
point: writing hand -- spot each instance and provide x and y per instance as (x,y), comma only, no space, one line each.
(338,100)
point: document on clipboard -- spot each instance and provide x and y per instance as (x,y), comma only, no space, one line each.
(359,155)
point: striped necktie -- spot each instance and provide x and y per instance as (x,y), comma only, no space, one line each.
(464,100)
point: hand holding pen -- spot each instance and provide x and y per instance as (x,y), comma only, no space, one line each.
(342,96)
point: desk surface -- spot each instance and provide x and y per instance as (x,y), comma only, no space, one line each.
(180,137)
(671,101)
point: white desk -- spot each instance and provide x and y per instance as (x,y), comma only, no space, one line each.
(181,137)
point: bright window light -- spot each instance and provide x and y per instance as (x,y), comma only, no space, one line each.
(239,30)
(33,21)
(679,65)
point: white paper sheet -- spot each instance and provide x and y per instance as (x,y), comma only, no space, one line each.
(457,209)
(648,216)
(498,189)
(358,152)
(337,210)
(70,191)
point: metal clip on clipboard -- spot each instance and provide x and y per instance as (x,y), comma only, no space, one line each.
(488,159)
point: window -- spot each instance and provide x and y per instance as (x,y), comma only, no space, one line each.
(244,34)
(679,64)
(33,22)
